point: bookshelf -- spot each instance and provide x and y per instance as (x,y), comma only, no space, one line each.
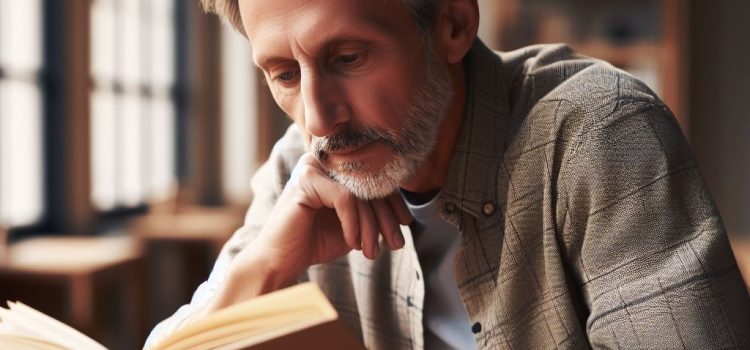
(647,38)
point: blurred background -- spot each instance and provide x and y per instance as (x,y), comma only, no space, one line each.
(129,130)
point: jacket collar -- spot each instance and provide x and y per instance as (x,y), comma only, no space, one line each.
(471,182)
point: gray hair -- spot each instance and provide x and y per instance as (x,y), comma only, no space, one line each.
(422,11)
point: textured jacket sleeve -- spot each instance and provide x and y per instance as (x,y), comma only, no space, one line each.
(266,186)
(648,246)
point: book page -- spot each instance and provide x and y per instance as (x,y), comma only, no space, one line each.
(22,320)
(290,307)
(23,343)
(249,331)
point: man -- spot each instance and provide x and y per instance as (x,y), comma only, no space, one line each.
(551,200)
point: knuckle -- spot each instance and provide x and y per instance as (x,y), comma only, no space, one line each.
(346,197)
(396,229)
(308,159)
(350,241)
(306,166)
(307,171)
(371,233)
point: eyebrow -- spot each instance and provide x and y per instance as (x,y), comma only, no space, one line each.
(272,61)
(367,39)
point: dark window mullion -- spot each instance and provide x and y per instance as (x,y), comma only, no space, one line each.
(54,140)
(180,88)
(117,100)
(48,80)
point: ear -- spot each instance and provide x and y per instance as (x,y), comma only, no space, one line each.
(456,25)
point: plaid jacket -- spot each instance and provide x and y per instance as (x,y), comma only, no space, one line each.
(584,221)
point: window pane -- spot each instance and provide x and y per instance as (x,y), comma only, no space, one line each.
(102,40)
(129,145)
(117,150)
(163,181)
(21,184)
(648,71)
(136,67)
(238,104)
(21,35)
(128,44)
(103,191)
(162,43)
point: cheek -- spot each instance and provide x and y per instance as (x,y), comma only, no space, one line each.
(291,106)
(285,102)
(383,101)
(380,99)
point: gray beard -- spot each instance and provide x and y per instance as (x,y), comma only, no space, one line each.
(410,147)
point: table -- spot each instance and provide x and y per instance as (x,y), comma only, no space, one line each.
(75,278)
(181,248)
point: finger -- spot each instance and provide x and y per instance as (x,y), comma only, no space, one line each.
(396,202)
(331,194)
(318,190)
(368,229)
(389,227)
(346,209)
(309,180)
(305,164)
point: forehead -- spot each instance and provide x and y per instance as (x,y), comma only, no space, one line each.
(275,24)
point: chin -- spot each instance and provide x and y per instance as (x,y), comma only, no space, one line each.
(371,184)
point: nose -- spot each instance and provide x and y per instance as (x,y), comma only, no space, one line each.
(322,99)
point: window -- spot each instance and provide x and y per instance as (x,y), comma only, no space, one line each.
(132,109)
(21,154)
(239,115)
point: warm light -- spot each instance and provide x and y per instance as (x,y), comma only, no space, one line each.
(162,178)
(103,150)
(132,113)
(21,184)
(239,148)
(21,35)
(102,41)
(162,43)
(130,147)
(21,154)
(128,58)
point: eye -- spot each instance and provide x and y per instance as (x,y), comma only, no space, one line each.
(349,59)
(286,77)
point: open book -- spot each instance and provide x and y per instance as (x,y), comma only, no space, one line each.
(293,318)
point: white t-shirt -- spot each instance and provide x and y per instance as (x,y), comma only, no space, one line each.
(446,323)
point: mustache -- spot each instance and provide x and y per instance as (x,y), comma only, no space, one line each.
(348,138)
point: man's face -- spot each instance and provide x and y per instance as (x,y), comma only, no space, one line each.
(357,79)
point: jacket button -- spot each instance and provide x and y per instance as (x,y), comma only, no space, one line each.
(409,303)
(488,208)
(449,207)
(476,328)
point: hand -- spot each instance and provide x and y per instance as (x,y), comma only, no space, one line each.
(315,220)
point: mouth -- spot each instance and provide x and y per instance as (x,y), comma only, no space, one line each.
(349,151)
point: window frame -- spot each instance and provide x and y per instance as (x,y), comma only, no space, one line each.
(40,78)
